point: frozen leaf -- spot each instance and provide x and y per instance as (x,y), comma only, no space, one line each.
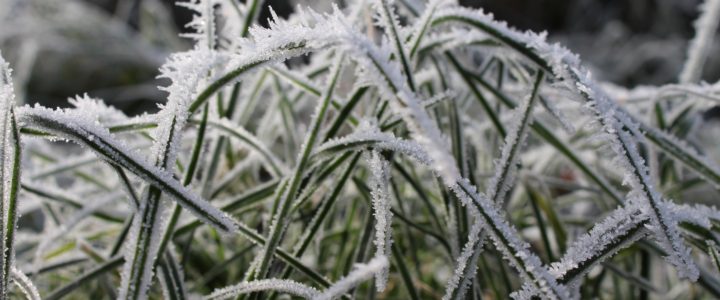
(705,27)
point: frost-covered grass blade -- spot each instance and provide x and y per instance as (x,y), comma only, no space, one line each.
(9,181)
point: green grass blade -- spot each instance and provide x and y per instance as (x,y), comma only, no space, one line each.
(224,125)
(714,254)
(496,190)
(404,272)
(392,26)
(251,13)
(534,199)
(93,273)
(171,278)
(68,200)
(306,85)
(684,153)
(478,95)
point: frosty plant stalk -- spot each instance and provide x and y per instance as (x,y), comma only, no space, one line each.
(414,151)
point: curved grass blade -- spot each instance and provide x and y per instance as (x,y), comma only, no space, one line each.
(372,138)
(280,285)
(25,285)
(361,273)
(278,168)
(103,144)
(267,48)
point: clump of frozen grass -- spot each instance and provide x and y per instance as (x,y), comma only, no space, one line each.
(250,156)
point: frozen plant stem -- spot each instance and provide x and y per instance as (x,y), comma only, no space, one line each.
(9,177)
(705,28)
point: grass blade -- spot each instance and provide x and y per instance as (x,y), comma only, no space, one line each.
(9,177)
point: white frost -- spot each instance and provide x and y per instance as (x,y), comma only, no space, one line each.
(361,273)
(278,285)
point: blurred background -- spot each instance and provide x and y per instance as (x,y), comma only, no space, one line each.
(112,48)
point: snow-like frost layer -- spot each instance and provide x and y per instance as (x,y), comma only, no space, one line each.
(278,285)
(620,222)
(361,273)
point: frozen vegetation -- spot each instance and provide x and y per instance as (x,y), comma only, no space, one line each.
(386,149)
